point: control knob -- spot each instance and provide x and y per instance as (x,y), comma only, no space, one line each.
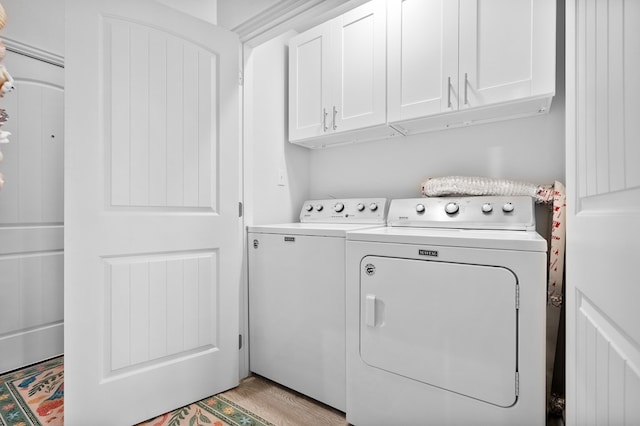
(487,208)
(451,208)
(420,208)
(338,207)
(319,207)
(308,207)
(373,207)
(360,207)
(507,208)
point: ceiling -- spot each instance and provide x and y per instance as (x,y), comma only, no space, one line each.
(232,13)
(256,21)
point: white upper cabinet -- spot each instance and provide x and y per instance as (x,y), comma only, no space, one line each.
(447,56)
(423,58)
(337,79)
(449,63)
(309,95)
(507,50)
(359,95)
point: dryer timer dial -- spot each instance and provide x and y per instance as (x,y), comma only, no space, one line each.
(451,208)
(507,208)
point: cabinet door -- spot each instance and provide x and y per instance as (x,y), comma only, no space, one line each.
(423,58)
(309,57)
(504,50)
(359,94)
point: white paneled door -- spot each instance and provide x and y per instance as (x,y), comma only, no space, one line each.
(152,190)
(603,224)
(31,215)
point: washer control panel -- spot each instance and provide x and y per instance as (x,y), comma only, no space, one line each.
(487,212)
(348,210)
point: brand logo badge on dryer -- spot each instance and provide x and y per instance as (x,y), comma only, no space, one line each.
(256,244)
(289,239)
(370,269)
(432,253)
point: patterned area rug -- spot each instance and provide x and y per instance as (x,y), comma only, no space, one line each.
(34,396)
(216,411)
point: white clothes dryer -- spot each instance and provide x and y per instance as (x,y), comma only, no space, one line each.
(297,296)
(446,315)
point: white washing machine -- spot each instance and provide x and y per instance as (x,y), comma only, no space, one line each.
(297,296)
(446,315)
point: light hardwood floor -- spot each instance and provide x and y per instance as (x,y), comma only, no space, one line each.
(285,407)
(282,406)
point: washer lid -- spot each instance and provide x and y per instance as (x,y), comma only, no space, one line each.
(473,238)
(312,229)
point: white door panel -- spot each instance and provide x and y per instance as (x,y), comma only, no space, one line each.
(603,224)
(31,215)
(168,165)
(608,386)
(309,94)
(495,50)
(152,272)
(503,54)
(422,58)
(359,92)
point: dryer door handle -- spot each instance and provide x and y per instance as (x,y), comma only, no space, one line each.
(370,310)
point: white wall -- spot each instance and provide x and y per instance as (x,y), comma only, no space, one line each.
(207,10)
(266,150)
(265,134)
(529,149)
(37,23)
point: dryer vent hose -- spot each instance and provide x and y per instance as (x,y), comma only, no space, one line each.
(466,185)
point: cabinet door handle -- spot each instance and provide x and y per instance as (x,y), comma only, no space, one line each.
(466,84)
(324,119)
(448,92)
(335,111)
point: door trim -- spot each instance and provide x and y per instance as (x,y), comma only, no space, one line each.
(33,52)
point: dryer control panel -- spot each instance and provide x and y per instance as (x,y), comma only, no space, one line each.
(487,212)
(347,210)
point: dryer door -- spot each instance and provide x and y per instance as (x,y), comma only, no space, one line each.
(449,325)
